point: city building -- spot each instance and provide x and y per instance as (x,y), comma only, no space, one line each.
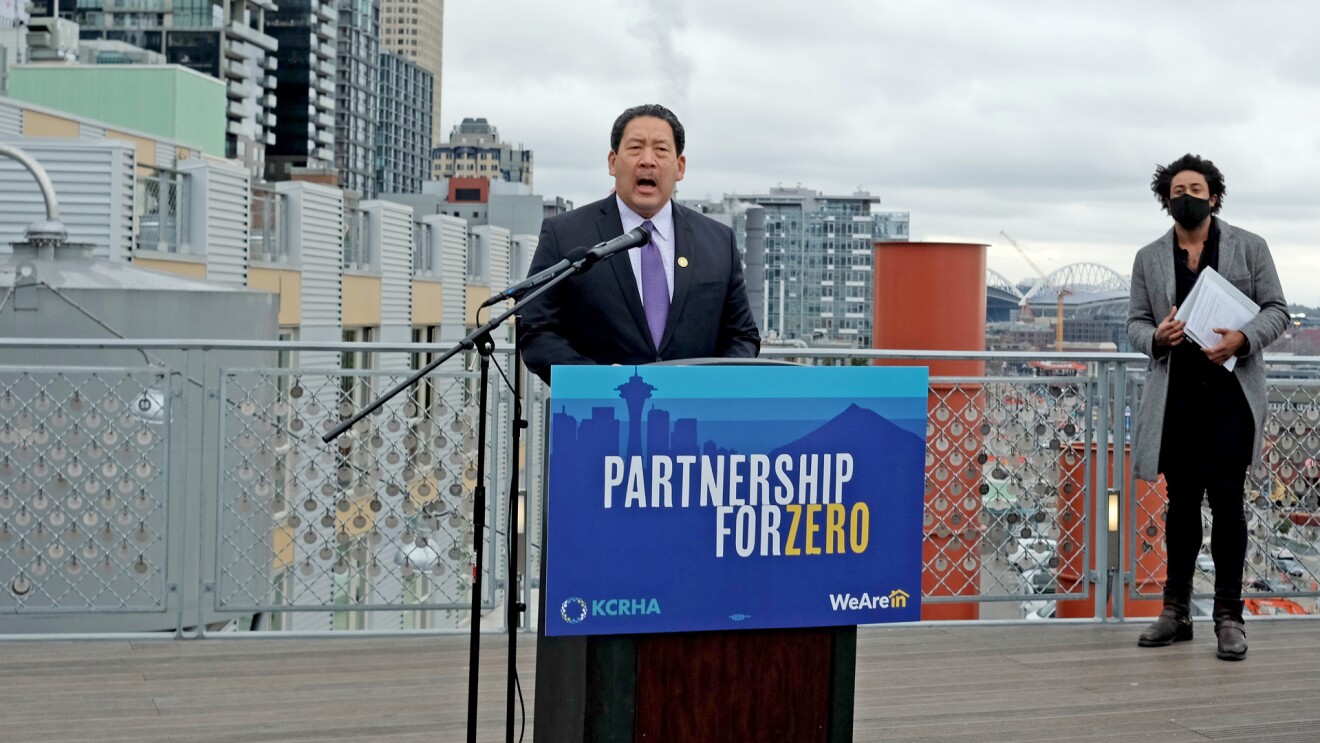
(508,213)
(13,36)
(109,51)
(355,95)
(225,39)
(474,150)
(121,189)
(817,281)
(557,205)
(415,30)
(366,269)
(13,13)
(403,127)
(171,101)
(305,104)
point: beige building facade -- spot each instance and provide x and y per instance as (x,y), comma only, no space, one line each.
(474,150)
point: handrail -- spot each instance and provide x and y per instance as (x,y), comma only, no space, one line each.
(772,353)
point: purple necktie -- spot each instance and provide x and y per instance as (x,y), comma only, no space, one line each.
(655,287)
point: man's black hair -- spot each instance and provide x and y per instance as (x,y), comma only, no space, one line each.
(1163,180)
(649,109)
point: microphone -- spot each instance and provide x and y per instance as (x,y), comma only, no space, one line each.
(578,259)
(634,238)
(538,278)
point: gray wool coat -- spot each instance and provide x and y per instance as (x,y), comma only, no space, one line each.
(1244,259)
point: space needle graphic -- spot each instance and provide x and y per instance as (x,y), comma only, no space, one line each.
(635,392)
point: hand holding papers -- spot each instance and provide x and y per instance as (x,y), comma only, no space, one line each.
(1214,303)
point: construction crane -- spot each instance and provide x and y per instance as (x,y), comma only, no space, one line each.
(1059,292)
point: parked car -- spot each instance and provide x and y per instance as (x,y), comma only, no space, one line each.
(1290,568)
(1034,611)
(1271,585)
(1282,553)
(1037,581)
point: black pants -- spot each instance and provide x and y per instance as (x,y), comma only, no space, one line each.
(1205,452)
(1228,531)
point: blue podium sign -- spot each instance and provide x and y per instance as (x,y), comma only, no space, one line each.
(733,497)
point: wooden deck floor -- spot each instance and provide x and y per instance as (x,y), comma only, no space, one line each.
(1025,683)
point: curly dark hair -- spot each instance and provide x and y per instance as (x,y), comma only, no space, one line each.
(1162,182)
(649,109)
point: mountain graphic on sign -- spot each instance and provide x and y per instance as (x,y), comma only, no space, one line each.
(858,430)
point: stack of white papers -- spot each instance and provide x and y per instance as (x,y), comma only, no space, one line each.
(1212,303)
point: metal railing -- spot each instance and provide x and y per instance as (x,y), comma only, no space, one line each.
(160,211)
(269,217)
(357,247)
(182,486)
(423,254)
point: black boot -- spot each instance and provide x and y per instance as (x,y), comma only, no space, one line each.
(1230,630)
(1174,623)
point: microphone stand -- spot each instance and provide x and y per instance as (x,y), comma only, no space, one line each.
(480,340)
(513,592)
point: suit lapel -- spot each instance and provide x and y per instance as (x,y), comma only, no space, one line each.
(610,226)
(1228,247)
(1166,266)
(684,247)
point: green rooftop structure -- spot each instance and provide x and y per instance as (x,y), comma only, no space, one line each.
(170,101)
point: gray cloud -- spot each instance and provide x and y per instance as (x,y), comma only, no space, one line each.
(1045,120)
(658,25)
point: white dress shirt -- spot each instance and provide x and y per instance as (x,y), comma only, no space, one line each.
(662,235)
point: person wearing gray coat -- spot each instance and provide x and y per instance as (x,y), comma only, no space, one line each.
(1199,424)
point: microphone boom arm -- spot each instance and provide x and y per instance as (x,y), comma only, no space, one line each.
(479,336)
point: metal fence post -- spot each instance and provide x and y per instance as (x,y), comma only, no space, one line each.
(1099,496)
(1123,576)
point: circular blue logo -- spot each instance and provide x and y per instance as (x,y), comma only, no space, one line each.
(573,610)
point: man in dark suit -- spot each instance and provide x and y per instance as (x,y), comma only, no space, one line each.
(681,296)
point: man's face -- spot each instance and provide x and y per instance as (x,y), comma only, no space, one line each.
(1191,182)
(647,165)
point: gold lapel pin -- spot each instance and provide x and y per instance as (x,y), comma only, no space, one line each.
(682,261)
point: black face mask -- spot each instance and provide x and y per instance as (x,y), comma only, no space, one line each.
(1189,211)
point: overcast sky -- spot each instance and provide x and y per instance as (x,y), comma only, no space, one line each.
(1045,120)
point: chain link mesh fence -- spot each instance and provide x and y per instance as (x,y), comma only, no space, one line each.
(1282,509)
(376,531)
(84,512)
(376,527)
(1006,496)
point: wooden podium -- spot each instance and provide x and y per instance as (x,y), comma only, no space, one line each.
(756,685)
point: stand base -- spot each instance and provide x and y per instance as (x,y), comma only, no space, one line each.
(754,685)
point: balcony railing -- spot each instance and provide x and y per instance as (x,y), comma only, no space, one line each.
(269,217)
(160,211)
(183,486)
(423,256)
(357,246)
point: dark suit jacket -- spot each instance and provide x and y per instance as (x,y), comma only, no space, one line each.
(596,317)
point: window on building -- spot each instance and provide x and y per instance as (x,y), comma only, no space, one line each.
(424,394)
(478,258)
(357,388)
